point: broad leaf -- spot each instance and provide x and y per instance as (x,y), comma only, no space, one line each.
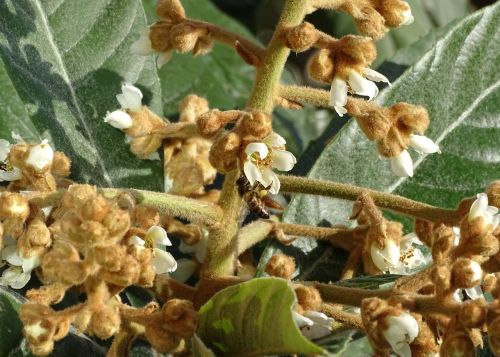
(456,82)
(61,65)
(253,319)
(10,325)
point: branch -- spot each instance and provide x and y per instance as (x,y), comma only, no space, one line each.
(229,38)
(344,317)
(194,210)
(252,234)
(348,296)
(326,4)
(385,200)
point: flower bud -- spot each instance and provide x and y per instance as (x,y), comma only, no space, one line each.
(473,313)
(14,205)
(110,258)
(257,125)
(180,317)
(159,35)
(301,38)
(117,222)
(37,234)
(321,66)
(191,107)
(494,336)
(95,209)
(308,297)
(387,257)
(466,273)
(493,193)
(401,331)
(224,151)
(162,340)
(281,266)
(395,12)
(61,165)
(119,119)
(145,217)
(184,37)
(210,123)
(170,9)
(457,344)
(146,146)
(105,322)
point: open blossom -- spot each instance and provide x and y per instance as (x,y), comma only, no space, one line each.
(40,156)
(263,157)
(385,258)
(402,165)
(130,99)
(19,273)
(361,84)
(313,324)
(480,208)
(411,256)
(156,238)
(12,173)
(402,330)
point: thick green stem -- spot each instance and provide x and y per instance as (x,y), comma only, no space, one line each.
(269,71)
(222,245)
(385,200)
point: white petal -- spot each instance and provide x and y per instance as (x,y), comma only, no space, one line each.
(402,165)
(423,144)
(456,231)
(30,263)
(142,46)
(185,269)
(163,58)
(119,119)
(315,331)
(496,222)
(154,156)
(4,149)
(158,236)
(319,318)
(301,320)
(9,254)
(407,17)
(130,98)
(458,296)
(11,175)
(475,293)
(362,86)
(259,148)
(40,156)
(15,278)
(163,261)
(408,240)
(387,257)
(402,330)
(269,178)
(338,96)
(375,76)
(137,241)
(187,248)
(479,206)
(252,172)
(274,140)
(477,272)
(283,160)
(18,138)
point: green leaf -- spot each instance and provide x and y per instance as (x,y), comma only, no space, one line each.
(199,349)
(456,82)
(253,319)
(61,65)
(221,76)
(445,11)
(10,325)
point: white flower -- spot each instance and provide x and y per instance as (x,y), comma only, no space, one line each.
(130,97)
(402,165)
(480,208)
(40,156)
(263,157)
(412,256)
(18,275)
(4,149)
(143,47)
(157,239)
(118,119)
(313,324)
(385,258)
(199,249)
(13,173)
(361,85)
(423,144)
(402,330)
(407,17)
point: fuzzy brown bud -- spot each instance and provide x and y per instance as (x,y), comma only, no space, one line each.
(457,344)
(184,37)
(308,297)
(61,164)
(410,118)
(493,192)
(95,209)
(301,38)
(37,234)
(191,107)
(393,11)
(117,222)
(256,125)
(170,9)
(180,317)
(110,257)
(145,217)
(105,322)
(281,266)
(473,313)
(368,21)
(466,273)
(321,66)
(14,205)
(224,151)
(494,336)
(161,339)
(159,34)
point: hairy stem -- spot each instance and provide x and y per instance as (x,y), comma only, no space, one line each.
(326,4)
(344,317)
(348,296)
(269,71)
(317,97)
(385,200)
(222,244)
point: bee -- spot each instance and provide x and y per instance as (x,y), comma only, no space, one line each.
(255,197)
(4,166)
